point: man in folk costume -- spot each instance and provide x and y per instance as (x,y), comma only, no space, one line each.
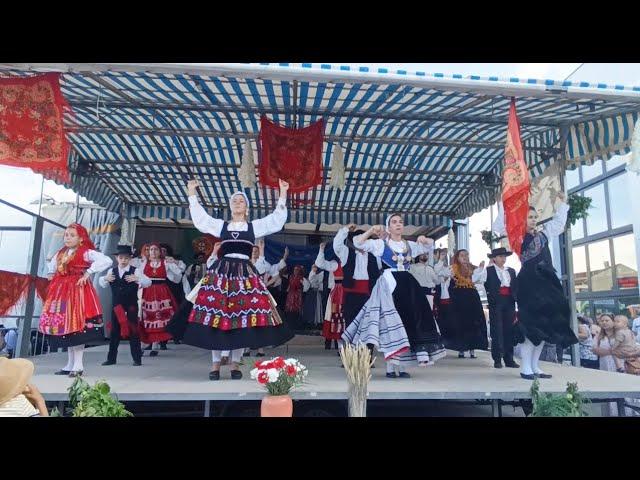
(124,280)
(333,325)
(501,286)
(233,309)
(397,318)
(72,314)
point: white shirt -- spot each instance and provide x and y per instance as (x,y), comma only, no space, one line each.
(503,275)
(265,268)
(636,328)
(18,406)
(376,247)
(360,271)
(173,271)
(552,228)
(262,227)
(99,261)
(11,338)
(143,281)
(444,274)
(316,280)
(425,274)
(330,267)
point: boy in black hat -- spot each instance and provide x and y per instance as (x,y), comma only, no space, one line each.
(124,280)
(500,285)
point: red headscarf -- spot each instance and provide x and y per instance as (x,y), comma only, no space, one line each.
(85,241)
(85,244)
(154,244)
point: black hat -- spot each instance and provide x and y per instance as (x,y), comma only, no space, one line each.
(499,251)
(355,233)
(124,250)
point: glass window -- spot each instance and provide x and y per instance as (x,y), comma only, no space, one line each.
(603,305)
(600,269)
(614,162)
(624,251)
(577,230)
(580,269)
(571,179)
(590,172)
(583,307)
(620,201)
(14,251)
(597,213)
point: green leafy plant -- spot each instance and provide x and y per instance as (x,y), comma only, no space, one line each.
(55,412)
(94,401)
(570,404)
(578,208)
(489,237)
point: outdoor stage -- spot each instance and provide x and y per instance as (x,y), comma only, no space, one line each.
(181,374)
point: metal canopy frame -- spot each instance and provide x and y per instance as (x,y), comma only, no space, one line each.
(426,145)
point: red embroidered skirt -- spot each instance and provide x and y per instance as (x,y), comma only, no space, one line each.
(71,315)
(333,326)
(158,306)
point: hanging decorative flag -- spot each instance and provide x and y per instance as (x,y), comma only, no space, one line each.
(247,173)
(14,287)
(337,169)
(634,162)
(294,155)
(31,129)
(515,183)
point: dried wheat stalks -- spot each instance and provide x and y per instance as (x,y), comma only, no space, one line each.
(357,365)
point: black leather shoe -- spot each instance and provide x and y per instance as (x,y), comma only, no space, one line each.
(163,346)
(497,364)
(542,375)
(511,364)
(260,354)
(62,372)
(137,364)
(214,375)
(75,374)
(472,355)
(246,354)
(404,375)
(153,353)
(461,355)
(391,375)
(528,377)
(236,374)
(108,362)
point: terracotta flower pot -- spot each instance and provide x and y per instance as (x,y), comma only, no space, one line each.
(276,406)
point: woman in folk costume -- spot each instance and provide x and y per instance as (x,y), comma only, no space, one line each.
(233,309)
(312,306)
(333,325)
(71,314)
(465,328)
(158,302)
(298,285)
(397,318)
(544,314)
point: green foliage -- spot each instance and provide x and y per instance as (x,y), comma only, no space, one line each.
(570,404)
(578,208)
(95,401)
(489,237)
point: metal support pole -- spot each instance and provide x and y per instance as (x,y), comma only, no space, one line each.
(207,408)
(622,411)
(496,408)
(24,332)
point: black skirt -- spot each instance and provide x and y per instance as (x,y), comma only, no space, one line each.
(209,338)
(543,310)
(178,323)
(465,326)
(88,335)
(414,310)
(353,303)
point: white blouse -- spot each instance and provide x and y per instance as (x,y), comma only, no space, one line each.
(360,271)
(376,247)
(99,261)
(330,267)
(143,280)
(173,271)
(265,267)
(551,229)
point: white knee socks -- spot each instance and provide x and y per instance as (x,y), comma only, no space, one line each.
(78,353)
(526,354)
(537,351)
(236,355)
(216,356)
(70,355)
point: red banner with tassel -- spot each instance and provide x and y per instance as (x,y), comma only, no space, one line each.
(14,287)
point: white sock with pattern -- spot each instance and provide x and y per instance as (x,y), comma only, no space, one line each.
(526,354)
(77,358)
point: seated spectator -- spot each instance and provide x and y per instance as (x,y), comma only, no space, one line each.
(11,338)
(19,398)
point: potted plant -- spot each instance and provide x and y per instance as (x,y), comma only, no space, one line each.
(92,401)
(570,404)
(279,376)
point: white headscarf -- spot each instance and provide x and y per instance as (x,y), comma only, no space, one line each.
(389,221)
(246,199)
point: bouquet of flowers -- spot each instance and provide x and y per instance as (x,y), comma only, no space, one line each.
(279,375)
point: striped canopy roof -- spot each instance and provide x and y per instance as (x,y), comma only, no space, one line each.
(427,145)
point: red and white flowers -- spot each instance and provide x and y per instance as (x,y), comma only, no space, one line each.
(278,375)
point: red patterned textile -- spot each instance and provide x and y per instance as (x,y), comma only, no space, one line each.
(14,287)
(515,184)
(31,128)
(294,155)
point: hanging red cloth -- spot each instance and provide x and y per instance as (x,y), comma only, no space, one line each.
(13,289)
(31,128)
(515,183)
(294,155)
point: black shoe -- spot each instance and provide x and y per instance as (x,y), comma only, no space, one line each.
(528,377)
(73,374)
(472,355)
(214,375)
(404,375)
(461,355)
(511,364)
(236,374)
(542,375)
(327,345)
(148,348)
(391,375)
(137,364)
(62,372)
(109,362)
(260,354)
(153,353)
(163,346)
(497,364)
(246,354)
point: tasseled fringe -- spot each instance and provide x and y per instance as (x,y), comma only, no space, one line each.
(634,164)
(337,169)
(451,241)
(247,173)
